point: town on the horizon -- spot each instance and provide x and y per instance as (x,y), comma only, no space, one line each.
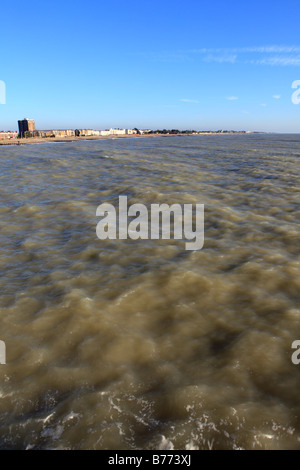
(27,129)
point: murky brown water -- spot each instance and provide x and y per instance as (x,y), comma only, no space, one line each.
(141,344)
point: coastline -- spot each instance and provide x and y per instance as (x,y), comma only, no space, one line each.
(41,140)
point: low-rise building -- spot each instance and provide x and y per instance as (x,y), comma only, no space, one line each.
(122,131)
(43,133)
(54,133)
(87,132)
(117,131)
(8,135)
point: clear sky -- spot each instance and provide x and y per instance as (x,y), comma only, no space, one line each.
(151,64)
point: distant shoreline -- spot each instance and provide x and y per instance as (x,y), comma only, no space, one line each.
(41,140)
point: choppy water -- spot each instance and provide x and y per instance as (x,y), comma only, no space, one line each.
(141,344)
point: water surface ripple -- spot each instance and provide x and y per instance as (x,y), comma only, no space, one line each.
(141,344)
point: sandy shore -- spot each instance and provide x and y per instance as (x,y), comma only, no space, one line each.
(39,140)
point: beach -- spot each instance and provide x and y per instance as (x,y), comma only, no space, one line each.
(40,140)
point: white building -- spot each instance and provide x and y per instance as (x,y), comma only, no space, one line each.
(117,131)
(106,132)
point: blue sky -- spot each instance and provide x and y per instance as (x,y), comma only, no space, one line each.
(166,64)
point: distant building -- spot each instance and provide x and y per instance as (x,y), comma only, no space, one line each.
(26,125)
(43,133)
(122,131)
(8,135)
(86,132)
(27,129)
(117,131)
(54,133)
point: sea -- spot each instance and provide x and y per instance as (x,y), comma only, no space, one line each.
(143,344)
